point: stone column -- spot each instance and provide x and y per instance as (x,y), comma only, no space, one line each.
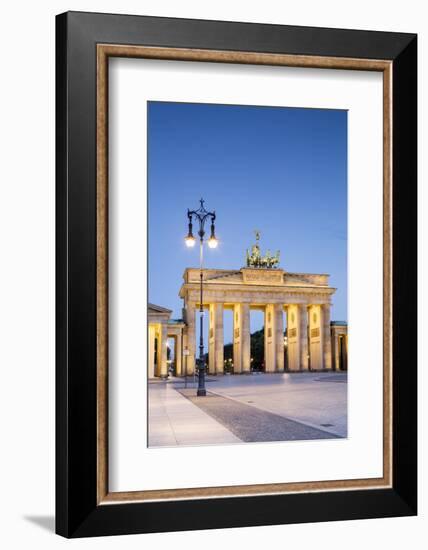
(334,351)
(237,332)
(270,363)
(178,351)
(191,337)
(303,337)
(293,340)
(151,369)
(245,338)
(315,337)
(162,350)
(216,342)
(344,341)
(279,337)
(326,336)
(211,338)
(241,338)
(219,339)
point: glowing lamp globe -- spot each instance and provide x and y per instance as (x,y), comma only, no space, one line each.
(212,242)
(190,241)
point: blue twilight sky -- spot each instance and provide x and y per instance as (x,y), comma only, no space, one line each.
(280,170)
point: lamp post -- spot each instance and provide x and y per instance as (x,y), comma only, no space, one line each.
(201,216)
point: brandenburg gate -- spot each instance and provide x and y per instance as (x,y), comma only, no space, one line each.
(304,298)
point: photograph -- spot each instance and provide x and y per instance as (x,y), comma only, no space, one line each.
(213,255)
(247,274)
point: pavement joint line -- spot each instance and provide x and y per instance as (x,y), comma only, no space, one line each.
(172,427)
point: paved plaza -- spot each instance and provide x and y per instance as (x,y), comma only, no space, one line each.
(248,408)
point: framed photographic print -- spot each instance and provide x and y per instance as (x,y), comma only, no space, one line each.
(236,274)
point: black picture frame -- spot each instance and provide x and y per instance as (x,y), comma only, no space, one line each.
(77,511)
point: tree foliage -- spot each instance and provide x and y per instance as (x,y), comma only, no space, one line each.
(257,351)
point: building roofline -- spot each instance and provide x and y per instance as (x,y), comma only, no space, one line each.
(160,309)
(258,268)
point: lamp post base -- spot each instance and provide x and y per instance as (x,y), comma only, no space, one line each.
(201,392)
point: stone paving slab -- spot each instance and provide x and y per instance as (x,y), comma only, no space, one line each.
(251,424)
(176,421)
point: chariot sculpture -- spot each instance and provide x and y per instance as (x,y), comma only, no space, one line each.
(255,258)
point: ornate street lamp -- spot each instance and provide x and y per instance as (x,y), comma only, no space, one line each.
(201,216)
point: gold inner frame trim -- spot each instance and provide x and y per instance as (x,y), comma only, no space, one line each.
(104,51)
